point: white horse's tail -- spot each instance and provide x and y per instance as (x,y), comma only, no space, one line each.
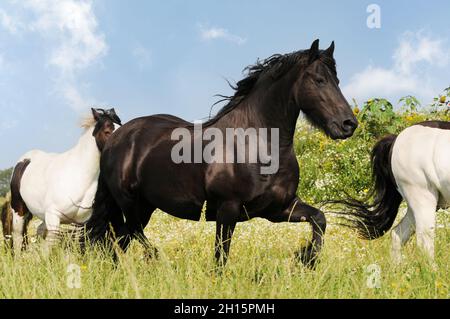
(374,220)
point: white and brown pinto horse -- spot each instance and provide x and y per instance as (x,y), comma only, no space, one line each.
(58,188)
(413,166)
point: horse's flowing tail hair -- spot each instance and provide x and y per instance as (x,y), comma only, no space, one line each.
(14,199)
(102,208)
(6,217)
(375,219)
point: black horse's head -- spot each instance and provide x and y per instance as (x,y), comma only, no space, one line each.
(317,94)
(104,126)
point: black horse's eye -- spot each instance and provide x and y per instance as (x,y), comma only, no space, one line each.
(320,81)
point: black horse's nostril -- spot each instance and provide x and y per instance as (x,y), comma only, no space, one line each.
(349,125)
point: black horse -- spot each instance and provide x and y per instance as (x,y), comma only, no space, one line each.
(139,175)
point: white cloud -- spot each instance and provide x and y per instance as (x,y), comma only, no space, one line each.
(214,33)
(416,48)
(73,96)
(381,82)
(414,61)
(9,23)
(74,25)
(70,29)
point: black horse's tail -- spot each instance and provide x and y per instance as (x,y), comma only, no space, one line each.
(104,204)
(373,220)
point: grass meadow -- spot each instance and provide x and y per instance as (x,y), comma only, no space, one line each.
(262,263)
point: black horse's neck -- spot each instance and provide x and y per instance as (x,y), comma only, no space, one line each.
(268,105)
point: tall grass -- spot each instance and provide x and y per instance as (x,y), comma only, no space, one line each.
(262,265)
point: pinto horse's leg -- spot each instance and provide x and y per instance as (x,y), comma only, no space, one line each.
(28,218)
(7,223)
(52,223)
(301,212)
(423,203)
(227,217)
(17,216)
(41,230)
(401,234)
(20,221)
(426,231)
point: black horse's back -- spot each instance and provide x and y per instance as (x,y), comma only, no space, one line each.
(151,170)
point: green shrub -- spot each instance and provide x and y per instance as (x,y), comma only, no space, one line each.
(5,176)
(330,169)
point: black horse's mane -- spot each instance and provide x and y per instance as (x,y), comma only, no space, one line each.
(275,65)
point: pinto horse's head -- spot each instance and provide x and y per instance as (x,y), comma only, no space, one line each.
(104,125)
(318,95)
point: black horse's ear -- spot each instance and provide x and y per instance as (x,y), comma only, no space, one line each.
(95,114)
(113,115)
(330,51)
(314,51)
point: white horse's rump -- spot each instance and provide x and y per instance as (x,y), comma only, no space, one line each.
(59,188)
(421,167)
(413,166)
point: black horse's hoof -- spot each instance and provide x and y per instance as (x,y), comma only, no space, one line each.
(152,254)
(307,256)
(220,266)
(218,270)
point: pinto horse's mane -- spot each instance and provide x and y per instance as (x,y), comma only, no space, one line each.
(87,122)
(275,65)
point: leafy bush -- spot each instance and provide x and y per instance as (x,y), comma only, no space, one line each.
(378,118)
(330,169)
(5,176)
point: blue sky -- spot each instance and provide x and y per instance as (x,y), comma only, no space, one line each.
(58,58)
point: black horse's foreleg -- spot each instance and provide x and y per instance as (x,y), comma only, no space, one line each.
(227,217)
(300,212)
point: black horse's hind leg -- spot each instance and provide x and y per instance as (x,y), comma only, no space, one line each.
(137,217)
(301,212)
(227,217)
(119,232)
(150,250)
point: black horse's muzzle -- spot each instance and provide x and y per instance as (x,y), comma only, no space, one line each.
(340,130)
